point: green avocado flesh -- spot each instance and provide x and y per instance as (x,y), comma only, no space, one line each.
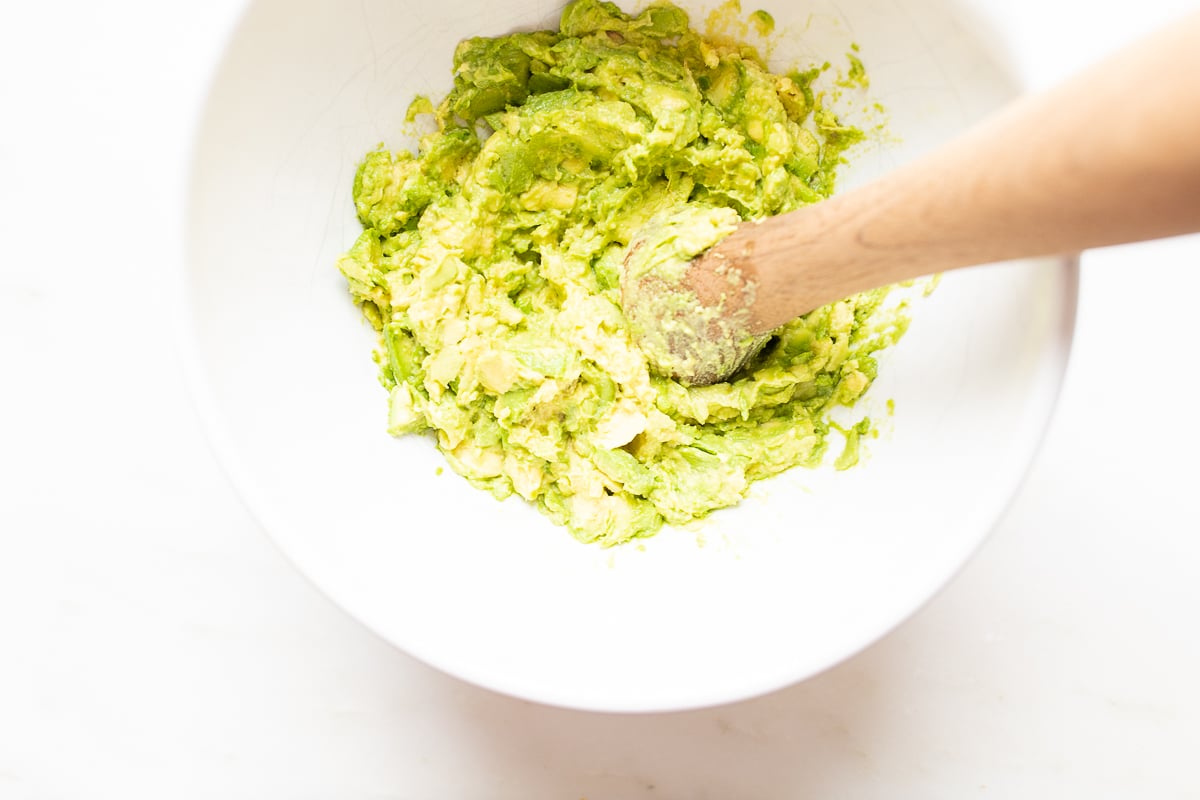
(489,265)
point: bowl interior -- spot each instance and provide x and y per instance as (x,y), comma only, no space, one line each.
(811,568)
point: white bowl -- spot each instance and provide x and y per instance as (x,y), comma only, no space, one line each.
(810,569)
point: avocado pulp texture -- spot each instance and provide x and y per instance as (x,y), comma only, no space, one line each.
(489,261)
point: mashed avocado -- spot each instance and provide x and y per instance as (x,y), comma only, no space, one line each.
(489,264)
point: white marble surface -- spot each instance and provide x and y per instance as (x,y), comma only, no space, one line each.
(155,644)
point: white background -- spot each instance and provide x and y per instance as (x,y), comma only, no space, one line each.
(155,644)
